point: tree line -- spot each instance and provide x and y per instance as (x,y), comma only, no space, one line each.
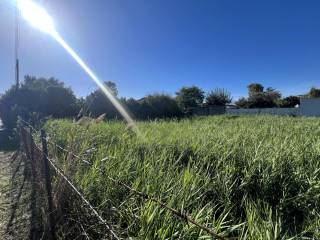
(259,97)
(39,98)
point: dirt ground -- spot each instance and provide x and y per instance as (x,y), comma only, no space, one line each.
(14,198)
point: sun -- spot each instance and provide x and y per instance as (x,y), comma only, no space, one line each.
(36,15)
(39,18)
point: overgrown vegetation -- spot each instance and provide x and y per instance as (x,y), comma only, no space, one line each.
(218,97)
(37,98)
(246,177)
(40,98)
(314,92)
(260,98)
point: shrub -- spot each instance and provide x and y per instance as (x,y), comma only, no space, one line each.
(97,102)
(242,103)
(218,97)
(289,102)
(161,106)
(314,92)
(37,96)
(189,97)
(153,106)
(254,88)
(261,100)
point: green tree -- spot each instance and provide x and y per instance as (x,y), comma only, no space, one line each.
(258,98)
(98,103)
(161,106)
(189,98)
(241,103)
(218,97)
(261,100)
(273,93)
(289,102)
(37,97)
(58,101)
(254,88)
(133,106)
(153,106)
(314,92)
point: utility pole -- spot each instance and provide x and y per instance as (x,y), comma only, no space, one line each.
(16,47)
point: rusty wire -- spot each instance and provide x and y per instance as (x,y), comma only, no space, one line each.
(181,215)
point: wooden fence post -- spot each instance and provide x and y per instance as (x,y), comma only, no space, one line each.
(47,176)
(24,141)
(33,229)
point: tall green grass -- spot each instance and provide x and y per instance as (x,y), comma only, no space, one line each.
(252,177)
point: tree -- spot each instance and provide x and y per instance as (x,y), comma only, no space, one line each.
(273,93)
(261,100)
(242,103)
(314,92)
(133,106)
(289,102)
(153,106)
(112,87)
(98,103)
(218,97)
(258,98)
(161,106)
(189,97)
(37,97)
(63,104)
(254,88)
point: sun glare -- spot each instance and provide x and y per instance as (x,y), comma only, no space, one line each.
(36,15)
(39,18)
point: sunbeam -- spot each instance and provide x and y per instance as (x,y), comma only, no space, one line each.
(40,19)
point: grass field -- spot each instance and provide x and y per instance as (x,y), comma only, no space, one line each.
(253,177)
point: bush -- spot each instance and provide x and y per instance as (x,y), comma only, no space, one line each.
(161,106)
(258,98)
(242,103)
(153,106)
(314,92)
(97,102)
(218,97)
(37,96)
(255,88)
(189,98)
(261,100)
(289,102)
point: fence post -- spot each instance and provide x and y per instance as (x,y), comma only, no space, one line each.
(48,184)
(33,230)
(24,141)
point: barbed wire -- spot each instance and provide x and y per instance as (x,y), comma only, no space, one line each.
(67,179)
(176,212)
(153,199)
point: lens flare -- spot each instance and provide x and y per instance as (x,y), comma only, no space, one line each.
(102,86)
(36,16)
(39,18)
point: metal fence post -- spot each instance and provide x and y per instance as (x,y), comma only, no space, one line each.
(48,184)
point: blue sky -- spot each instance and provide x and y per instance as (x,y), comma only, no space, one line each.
(148,46)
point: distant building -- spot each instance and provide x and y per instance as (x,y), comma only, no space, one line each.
(309,107)
(206,110)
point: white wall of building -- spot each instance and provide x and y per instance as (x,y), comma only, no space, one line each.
(310,107)
(272,111)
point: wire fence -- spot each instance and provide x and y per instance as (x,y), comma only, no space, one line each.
(52,190)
